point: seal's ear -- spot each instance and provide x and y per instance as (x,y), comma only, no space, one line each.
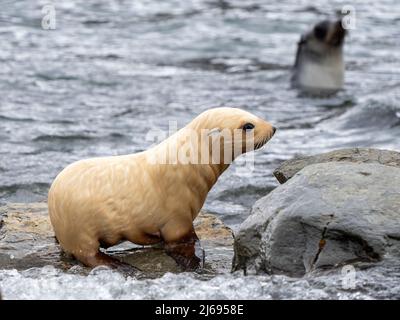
(214,132)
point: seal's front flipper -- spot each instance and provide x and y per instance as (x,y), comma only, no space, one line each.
(186,262)
(186,251)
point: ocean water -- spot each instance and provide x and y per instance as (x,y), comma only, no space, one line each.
(114,70)
(381,282)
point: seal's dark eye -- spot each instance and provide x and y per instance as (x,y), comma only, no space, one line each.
(248,127)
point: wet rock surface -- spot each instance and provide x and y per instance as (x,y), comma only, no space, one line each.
(27,240)
(354,155)
(327,215)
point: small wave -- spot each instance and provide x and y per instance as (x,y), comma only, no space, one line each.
(226,5)
(53,138)
(232,65)
(8,118)
(166,16)
(108,56)
(101,83)
(331,111)
(63,121)
(123,113)
(91,22)
(113,136)
(135,111)
(241,195)
(26,192)
(311,9)
(339,104)
(55,77)
(66,142)
(373,115)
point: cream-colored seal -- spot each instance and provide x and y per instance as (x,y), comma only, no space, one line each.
(145,198)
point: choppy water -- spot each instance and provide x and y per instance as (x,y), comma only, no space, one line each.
(113,70)
(49,283)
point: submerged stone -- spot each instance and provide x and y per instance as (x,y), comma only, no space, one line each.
(27,240)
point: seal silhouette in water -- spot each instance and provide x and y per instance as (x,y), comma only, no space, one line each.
(319,65)
(151,196)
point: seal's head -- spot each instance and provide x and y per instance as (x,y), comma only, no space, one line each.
(326,36)
(235,129)
(319,59)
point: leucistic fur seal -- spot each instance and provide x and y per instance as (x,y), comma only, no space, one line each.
(319,64)
(99,202)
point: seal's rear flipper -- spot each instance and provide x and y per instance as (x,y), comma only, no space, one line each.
(102,259)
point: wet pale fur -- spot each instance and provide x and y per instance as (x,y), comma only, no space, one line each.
(125,197)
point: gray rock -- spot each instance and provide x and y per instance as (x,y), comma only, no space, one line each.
(327,215)
(356,155)
(27,240)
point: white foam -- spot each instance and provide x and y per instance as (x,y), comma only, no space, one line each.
(102,283)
